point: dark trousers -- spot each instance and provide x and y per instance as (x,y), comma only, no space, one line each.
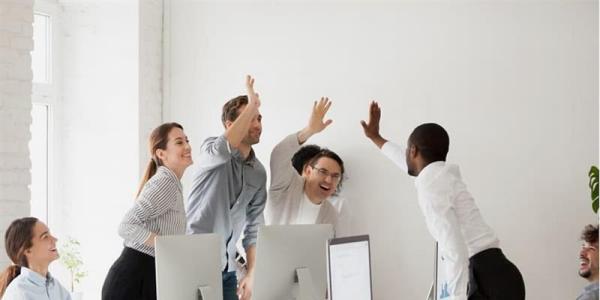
(493,277)
(229,286)
(132,276)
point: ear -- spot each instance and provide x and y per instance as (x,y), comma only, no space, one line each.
(228,124)
(161,154)
(306,170)
(413,151)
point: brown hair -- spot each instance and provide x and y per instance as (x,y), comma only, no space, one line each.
(158,140)
(17,239)
(230,109)
(590,234)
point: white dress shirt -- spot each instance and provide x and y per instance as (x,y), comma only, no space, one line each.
(451,216)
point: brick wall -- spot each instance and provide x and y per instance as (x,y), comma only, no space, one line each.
(16,32)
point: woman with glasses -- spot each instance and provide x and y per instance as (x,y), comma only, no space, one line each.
(303,179)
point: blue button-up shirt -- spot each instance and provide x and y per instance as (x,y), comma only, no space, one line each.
(30,285)
(228,197)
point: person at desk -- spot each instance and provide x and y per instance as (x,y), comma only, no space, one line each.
(303,198)
(468,245)
(228,194)
(31,248)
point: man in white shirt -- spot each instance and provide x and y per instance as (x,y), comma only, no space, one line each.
(474,265)
(588,266)
(303,179)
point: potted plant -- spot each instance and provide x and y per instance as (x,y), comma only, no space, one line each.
(70,257)
(593,174)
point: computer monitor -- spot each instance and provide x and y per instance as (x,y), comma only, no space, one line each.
(291,262)
(349,266)
(189,267)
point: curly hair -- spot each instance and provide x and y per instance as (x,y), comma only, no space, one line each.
(590,234)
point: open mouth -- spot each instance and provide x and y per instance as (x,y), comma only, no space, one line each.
(324,187)
(583,263)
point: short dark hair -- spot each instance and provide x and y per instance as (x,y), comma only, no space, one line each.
(303,156)
(590,234)
(431,140)
(231,107)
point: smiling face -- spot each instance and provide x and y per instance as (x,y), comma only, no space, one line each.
(177,155)
(321,178)
(43,249)
(588,261)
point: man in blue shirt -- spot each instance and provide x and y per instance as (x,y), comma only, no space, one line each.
(228,194)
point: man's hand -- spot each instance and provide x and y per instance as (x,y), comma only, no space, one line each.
(245,287)
(371,128)
(316,123)
(253,99)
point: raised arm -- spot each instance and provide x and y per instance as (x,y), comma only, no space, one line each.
(282,171)
(236,132)
(316,123)
(371,128)
(392,151)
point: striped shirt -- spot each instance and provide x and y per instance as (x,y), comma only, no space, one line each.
(158,209)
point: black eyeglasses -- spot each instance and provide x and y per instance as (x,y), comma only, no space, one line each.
(336,177)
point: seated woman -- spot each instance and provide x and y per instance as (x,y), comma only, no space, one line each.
(31,248)
(304,198)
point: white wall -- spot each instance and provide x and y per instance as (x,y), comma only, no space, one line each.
(16,32)
(514,83)
(112,62)
(97,130)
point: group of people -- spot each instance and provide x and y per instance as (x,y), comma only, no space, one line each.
(228,196)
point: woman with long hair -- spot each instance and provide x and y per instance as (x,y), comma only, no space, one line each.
(158,210)
(31,248)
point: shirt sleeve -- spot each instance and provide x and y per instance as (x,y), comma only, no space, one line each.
(254,217)
(215,151)
(444,226)
(282,171)
(396,154)
(156,198)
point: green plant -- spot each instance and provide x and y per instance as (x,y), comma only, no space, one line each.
(71,259)
(593,174)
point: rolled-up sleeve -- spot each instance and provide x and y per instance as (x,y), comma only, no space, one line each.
(254,217)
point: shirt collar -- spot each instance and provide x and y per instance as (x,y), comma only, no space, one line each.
(427,172)
(171,174)
(36,278)
(591,287)
(250,160)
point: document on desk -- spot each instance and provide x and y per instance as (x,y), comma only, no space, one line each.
(350,271)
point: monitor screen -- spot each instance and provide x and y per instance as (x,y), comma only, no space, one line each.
(349,268)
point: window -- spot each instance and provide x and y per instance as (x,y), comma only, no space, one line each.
(38,149)
(43,99)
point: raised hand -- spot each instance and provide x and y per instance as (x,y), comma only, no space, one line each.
(371,128)
(320,108)
(316,123)
(253,99)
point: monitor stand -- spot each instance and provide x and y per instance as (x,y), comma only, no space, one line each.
(205,292)
(306,286)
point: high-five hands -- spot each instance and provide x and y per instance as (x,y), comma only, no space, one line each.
(316,123)
(371,128)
